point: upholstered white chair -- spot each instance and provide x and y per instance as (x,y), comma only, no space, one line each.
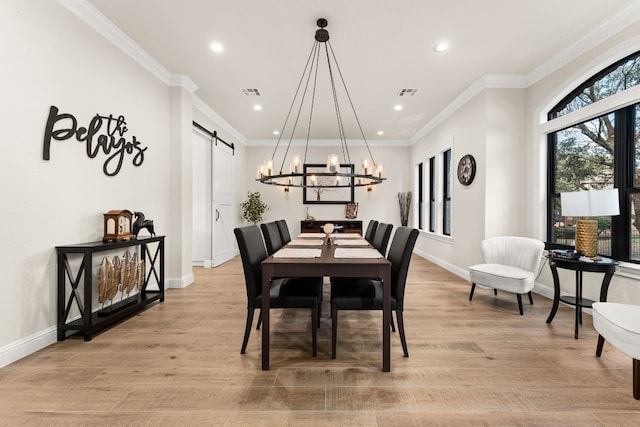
(511,264)
(620,325)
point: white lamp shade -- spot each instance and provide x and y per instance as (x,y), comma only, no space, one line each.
(590,203)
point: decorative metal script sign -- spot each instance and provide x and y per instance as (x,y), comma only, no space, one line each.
(103,134)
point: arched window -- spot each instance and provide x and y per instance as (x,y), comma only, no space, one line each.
(602,152)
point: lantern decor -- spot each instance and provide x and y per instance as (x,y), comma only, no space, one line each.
(118,226)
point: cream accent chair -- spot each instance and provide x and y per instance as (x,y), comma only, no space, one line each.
(620,325)
(511,264)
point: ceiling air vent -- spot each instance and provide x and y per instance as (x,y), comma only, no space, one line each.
(251,92)
(408,92)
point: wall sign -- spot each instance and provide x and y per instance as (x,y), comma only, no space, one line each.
(103,134)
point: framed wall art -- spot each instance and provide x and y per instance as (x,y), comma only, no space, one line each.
(335,195)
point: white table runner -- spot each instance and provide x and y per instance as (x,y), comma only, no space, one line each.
(356,253)
(351,242)
(306,242)
(298,253)
(311,235)
(346,236)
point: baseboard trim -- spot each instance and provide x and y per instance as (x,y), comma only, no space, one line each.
(179,283)
(22,348)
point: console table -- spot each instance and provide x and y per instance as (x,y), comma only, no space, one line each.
(314,226)
(82,287)
(603,265)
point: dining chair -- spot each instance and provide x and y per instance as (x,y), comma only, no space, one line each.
(284,292)
(511,264)
(285,236)
(366,294)
(371,230)
(271,237)
(381,237)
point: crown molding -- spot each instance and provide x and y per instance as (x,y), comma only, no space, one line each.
(217,118)
(182,80)
(96,20)
(607,29)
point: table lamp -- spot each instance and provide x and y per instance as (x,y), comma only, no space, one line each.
(589,204)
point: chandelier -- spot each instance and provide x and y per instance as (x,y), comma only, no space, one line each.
(340,172)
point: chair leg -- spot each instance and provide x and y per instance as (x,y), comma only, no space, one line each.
(314,332)
(334,331)
(473,288)
(259,321)
(636,379)
(520,304)
(530,298)
(600,345)
(403,339)
(495,292)
(393,325)
(247,330)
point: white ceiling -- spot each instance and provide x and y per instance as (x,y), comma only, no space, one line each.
(382,46)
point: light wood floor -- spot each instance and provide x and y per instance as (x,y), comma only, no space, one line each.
(471,363)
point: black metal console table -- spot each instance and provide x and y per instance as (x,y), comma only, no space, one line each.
(603,265)
(90,320)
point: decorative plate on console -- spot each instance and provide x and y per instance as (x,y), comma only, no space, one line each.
(466,169)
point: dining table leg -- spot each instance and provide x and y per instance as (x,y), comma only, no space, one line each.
(266,281)
(386,318)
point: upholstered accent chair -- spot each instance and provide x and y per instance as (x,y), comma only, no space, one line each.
(284,292)
(511,264)
(620,325)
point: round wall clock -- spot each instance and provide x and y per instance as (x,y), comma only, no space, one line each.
(466,169)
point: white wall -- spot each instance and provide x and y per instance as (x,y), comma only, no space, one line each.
(53,58)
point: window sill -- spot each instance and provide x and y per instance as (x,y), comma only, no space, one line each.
(445,239)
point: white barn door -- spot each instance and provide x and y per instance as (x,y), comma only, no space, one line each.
(212,216)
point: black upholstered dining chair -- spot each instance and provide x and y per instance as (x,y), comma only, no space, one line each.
(285,236)
(271,237)
(371,231)
(381,237)
(284,292)
(366,294)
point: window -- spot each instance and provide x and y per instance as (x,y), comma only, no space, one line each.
(599,153)
(446,192)
(432,195)
(434,188)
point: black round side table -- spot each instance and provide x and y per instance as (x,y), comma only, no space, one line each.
(603,265)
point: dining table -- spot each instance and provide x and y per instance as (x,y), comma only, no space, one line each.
(335,255)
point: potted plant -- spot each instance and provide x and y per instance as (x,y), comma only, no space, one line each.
(253,208)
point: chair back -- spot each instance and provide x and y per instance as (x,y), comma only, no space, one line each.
(516,251)
(381,238)
(284,231)
(271,237)
(400,252)
(252,253)
(371,231)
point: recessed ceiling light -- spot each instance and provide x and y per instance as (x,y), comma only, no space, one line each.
(380,132)
(217,47)
(276,132)
(397,107)
(257,107)
(440,47)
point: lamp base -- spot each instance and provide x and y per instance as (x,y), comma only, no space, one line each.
(587,237)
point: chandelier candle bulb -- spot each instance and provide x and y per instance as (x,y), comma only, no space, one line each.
(295,165)
(380,170)
(332,163)
(365,167)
